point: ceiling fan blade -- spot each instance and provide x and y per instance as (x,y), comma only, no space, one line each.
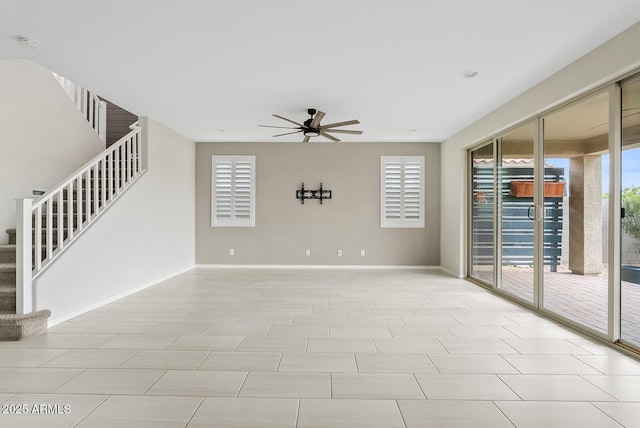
(315,123)
(331,137)
(306,139)
(344,131)
(348,122)
(288,133)
(289,120)
(279,127)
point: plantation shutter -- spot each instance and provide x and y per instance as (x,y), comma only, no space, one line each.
(402,188)
(233,195)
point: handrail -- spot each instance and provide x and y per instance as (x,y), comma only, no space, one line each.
(87,165)
(90,105)
(46,227)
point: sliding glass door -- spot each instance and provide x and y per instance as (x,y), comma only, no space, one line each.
(630,230)
(555,213)
(576,184)
(482,223)
(515,182)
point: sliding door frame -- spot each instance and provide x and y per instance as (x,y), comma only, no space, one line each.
(613,334)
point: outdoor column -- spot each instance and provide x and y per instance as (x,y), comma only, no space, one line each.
(585,215)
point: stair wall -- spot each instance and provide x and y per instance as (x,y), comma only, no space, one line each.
(43,137)
(145,237)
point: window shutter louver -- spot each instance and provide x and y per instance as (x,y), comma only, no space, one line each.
(233,191)
(402,185)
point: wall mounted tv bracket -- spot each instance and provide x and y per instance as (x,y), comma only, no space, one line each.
(321,194)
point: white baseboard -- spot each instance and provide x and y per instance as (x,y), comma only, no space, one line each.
(450,272)
(112,299)
(328,267)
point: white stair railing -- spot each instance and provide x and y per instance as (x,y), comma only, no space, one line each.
(92,108)
(46,227)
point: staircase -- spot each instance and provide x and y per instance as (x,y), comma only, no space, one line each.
(56,220)
(13,326)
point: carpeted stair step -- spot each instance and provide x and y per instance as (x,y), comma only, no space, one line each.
(8,274)
(54,219)
(8,299)
(8,253)
(17,327)
(12,236)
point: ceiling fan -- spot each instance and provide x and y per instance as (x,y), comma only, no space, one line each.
(312,127)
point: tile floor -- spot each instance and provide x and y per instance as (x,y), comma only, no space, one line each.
(580,298)
(315,348)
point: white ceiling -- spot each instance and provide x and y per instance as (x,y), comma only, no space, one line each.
(214,70)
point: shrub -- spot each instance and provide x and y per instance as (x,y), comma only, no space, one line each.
(631,205)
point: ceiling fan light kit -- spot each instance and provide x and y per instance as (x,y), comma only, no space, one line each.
(313,128)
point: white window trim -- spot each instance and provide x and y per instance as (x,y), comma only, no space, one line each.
(402,222)
(233,222)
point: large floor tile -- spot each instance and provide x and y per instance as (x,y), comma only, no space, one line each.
(554,388)
(141,411)
(324,320)
(199,383)
(341,345)
(140,342)
(119,327)
(394,363)
(625,413)
(242,361)
(23,357)
(544,332)
(623,388)
(317,362)
(165,359)
(549,364)
(359,332)
(5,397)
(315,413)
(246,413)
(536,414)
(79,340)
(481,332)
(612,364)
(50,410)
(409,346)
(420,331)
(206,343)
(111,381)
(287,385)
(182,327)
(456,345)
(452,414)
(273,344)
(545,346)
(468,363)
(35,380)
(298,331)
(464,387)
(72,327)
(386,386)
(91,358)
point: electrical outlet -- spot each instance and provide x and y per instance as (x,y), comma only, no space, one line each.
(339,253)
(307,252)
(362,253)
(232,252)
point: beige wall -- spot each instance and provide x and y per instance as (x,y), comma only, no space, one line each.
(350,221)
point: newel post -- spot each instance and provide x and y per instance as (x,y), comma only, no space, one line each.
(24,248)
(102,121)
